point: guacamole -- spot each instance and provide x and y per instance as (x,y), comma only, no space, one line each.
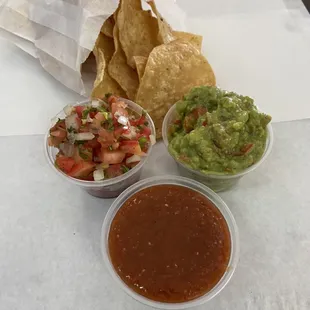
(217,132)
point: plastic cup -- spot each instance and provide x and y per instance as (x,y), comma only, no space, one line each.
(216,182)
(108,188)
(217,201)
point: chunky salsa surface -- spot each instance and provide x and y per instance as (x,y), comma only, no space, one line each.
(169,243)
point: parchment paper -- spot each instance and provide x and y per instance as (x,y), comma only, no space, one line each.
(62,33)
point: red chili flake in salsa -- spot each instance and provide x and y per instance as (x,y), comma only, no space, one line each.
(169,243)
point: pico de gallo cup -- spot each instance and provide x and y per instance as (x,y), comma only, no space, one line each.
(217,183)
(106,188)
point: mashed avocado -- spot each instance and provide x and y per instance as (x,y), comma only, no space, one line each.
(217,132)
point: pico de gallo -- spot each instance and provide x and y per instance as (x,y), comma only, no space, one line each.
(100,140)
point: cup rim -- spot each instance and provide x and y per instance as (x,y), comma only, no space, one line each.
(106,182)
(202,189)
(267,151)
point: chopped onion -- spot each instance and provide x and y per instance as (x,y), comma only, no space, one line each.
(133,159)
(84,136)
(98,175)
(67,149)
(71,137)
(71,122)
(131,135)
(84,121)
(68,109)
(95,104)
(89,119)
(152,139)
(123,120)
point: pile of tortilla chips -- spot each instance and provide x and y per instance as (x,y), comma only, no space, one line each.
(140,57)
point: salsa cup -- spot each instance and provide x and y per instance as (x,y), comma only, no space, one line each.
(108,188)
(196,186)
(216,182)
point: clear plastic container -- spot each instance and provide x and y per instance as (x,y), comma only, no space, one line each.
(218,202)
(108,188)
(216,182)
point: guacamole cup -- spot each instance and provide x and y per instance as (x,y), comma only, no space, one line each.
(110,187)
(216,182)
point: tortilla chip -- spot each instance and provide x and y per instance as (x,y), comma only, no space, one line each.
(120,71)
(192,38)
(140,62)
(107,27)
(138,31)
(104,84)
(171,71)
(165,33)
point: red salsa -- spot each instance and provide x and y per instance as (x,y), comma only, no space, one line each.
(169,243)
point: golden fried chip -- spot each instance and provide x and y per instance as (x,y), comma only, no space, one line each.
(138,31)
(165,33)
(140,63)
(120,71)
(171,71)
(103,51)
(192,38)
(107,27)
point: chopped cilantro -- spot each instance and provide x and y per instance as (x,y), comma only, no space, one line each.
(85,113)
(125,168)
(142,142)
(110,148)
(71,129)
(78,142)
(82,155)
(146,123)
(107,95)
(110,124)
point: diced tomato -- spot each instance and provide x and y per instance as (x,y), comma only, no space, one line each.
(114,171)
(247,148)
(145,131)
(139,121)
(131,146)
(106,135)
(92,114)
(82,169)
(190,119)
(60,133)
(79,110)
(112,157)
(112,99)
(118,132)
(97,155)
(60,124)
(93,144)
(119,107)
(64,163)
(99,116)
(78,122)
(53,141)
(199,111)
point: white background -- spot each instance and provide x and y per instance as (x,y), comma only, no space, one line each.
(50,230)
